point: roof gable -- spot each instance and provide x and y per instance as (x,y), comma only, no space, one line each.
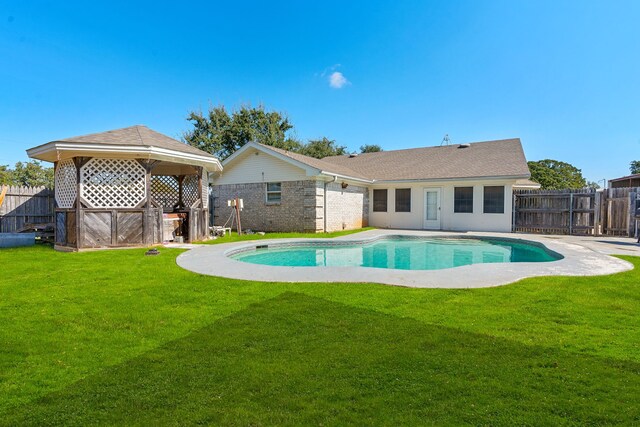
(253,165)
(311,165)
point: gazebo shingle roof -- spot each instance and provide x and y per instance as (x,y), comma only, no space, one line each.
(136,135)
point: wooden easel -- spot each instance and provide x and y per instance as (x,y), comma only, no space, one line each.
(238,208)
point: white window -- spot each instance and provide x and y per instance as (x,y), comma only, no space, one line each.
(494,199)
(274,192)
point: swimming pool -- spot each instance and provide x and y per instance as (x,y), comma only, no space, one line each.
(398,252)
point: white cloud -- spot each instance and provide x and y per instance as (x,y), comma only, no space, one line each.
(337,80)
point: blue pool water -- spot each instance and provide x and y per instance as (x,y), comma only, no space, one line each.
(400,253)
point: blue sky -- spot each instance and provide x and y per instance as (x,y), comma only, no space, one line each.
(563,76)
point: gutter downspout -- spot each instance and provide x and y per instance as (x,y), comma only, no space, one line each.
(335,178)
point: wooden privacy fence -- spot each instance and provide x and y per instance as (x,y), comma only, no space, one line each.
(26,205)
(555,211)
(618,211)
(577,212)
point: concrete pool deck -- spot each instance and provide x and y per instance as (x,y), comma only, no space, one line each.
(583,256)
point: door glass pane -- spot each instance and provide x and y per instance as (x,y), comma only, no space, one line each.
(432,206)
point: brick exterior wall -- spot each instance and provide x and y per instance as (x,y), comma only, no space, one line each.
(301,208)
(297,211)
(347,208)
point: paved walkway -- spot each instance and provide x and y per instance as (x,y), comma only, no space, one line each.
(583,256)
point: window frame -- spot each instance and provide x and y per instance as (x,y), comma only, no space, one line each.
(466,202)
(487,200)
(396,201)
(386,199)
(269,192)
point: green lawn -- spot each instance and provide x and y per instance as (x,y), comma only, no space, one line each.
(116,337)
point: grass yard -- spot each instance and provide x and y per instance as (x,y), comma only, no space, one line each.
(115,337)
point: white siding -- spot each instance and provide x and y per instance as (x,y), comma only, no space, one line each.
(476,221)
(345,207)
(255,166)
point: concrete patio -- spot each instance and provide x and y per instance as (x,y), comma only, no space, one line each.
(583,256)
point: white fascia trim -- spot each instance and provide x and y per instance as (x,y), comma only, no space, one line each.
(349,178)
(143,151)
(310,171)
(476,178)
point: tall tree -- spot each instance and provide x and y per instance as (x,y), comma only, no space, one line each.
(6,176)
(31,174)
(370,148)
(211,133)
(221,133)
(322,147)
(634,167)
(556,175)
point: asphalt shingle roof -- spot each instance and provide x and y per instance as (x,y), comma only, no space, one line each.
(491,158)
(136,135)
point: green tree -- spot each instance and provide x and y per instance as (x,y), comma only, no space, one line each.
(556,175)
(370,148)
(6,175)
(32,174)
(211,133)
(221,133)
(634,167)
(322,147)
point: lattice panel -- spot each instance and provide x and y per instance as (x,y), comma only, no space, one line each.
(190,190)
(205,189)
(113,183)
(66,188)
(165,190)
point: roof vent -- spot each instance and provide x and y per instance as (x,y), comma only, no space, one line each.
(464,145)
(354,154)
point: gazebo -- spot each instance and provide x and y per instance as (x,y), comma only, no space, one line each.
(128,187)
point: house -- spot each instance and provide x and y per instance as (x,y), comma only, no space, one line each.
(454,187)
(625,181)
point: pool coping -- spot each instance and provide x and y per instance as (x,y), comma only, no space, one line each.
(579,260)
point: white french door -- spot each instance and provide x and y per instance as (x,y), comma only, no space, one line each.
(432,208)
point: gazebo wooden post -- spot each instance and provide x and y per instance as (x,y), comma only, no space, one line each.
(199,169)
(149,223)
(79,225)
(78,163)
(57,218)
(204,217)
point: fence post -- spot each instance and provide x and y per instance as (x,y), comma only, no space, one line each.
(570,214)
(631,215)
(513,214)
(597,202)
